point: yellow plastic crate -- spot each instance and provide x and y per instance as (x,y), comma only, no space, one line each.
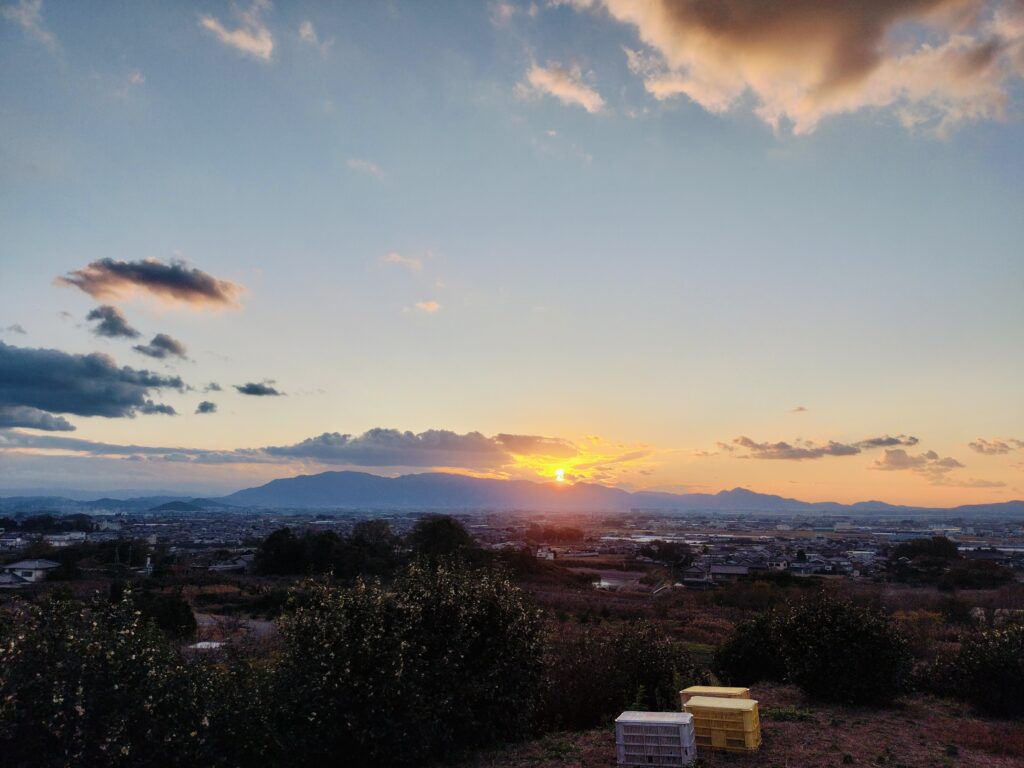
(730,724)
(717,691)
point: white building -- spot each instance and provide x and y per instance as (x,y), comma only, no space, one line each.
(31,570)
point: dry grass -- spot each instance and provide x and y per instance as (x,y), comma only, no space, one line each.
(920,732)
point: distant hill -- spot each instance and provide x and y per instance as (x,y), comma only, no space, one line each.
(361,490)
(442,491)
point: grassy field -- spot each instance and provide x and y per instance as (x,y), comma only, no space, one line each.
(918,732)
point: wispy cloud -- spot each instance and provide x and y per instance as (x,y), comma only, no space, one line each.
(429,307)
(365,166)
(308,35)
(396,259)
(251,37)
(15,328)
(801,450)
(28,14)
(995,447)
(564,83)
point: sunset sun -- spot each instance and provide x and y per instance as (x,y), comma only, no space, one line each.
(560,475)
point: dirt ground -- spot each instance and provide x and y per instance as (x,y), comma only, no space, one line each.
(918,732)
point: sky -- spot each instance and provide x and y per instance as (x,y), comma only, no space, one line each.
(656,244)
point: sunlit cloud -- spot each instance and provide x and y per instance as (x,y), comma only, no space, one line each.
(565,84)
(396,259)
(931,63)
(995,447)
(428,307)
(251,37)
(176,282)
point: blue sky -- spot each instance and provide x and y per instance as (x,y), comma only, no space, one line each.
(494,218)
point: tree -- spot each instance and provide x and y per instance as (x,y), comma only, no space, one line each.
(437,536)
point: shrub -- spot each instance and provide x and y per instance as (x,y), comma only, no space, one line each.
(94,685)
(595,672)
(832,649)
(988,671)
(752,653)
(445,659)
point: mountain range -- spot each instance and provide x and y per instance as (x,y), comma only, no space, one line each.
(441,491)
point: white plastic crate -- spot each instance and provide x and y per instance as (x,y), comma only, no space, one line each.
(655,738)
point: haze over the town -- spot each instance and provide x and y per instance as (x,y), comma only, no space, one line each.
(640,244)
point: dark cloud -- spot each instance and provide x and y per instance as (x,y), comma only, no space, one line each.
(807,449)
(112,323)
(394,448)
(15,328)
(888,442)
(162,346)
(13,440)
(206,407)
(995,447)
(259,389)
(149,407)
(174,281)
(213,386)
(33,418)
(85,385)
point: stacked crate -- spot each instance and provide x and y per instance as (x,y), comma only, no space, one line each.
(721,723)
(655,738)
(712,690)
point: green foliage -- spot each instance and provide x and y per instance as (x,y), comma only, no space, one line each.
(595,672)
(94,685)
(936,547)
(446,658)
(370,550)
(439,536)
(832,649)
(751,654)
(988,671)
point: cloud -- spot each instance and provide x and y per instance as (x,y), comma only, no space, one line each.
(16,328)
(396,259)
(932,63)
(213,386)
(32,418)
(85,385)
(28,14)
(365,166)
(430,307)
(251,37)
(533,444)
(308,35)
(799,409)
(928,464)
(259,389)
(112,323)
(149,407)
(801,450)
(14,440)
(206,407)
(176,281)
(162,346)
(995,447)
(565,84)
